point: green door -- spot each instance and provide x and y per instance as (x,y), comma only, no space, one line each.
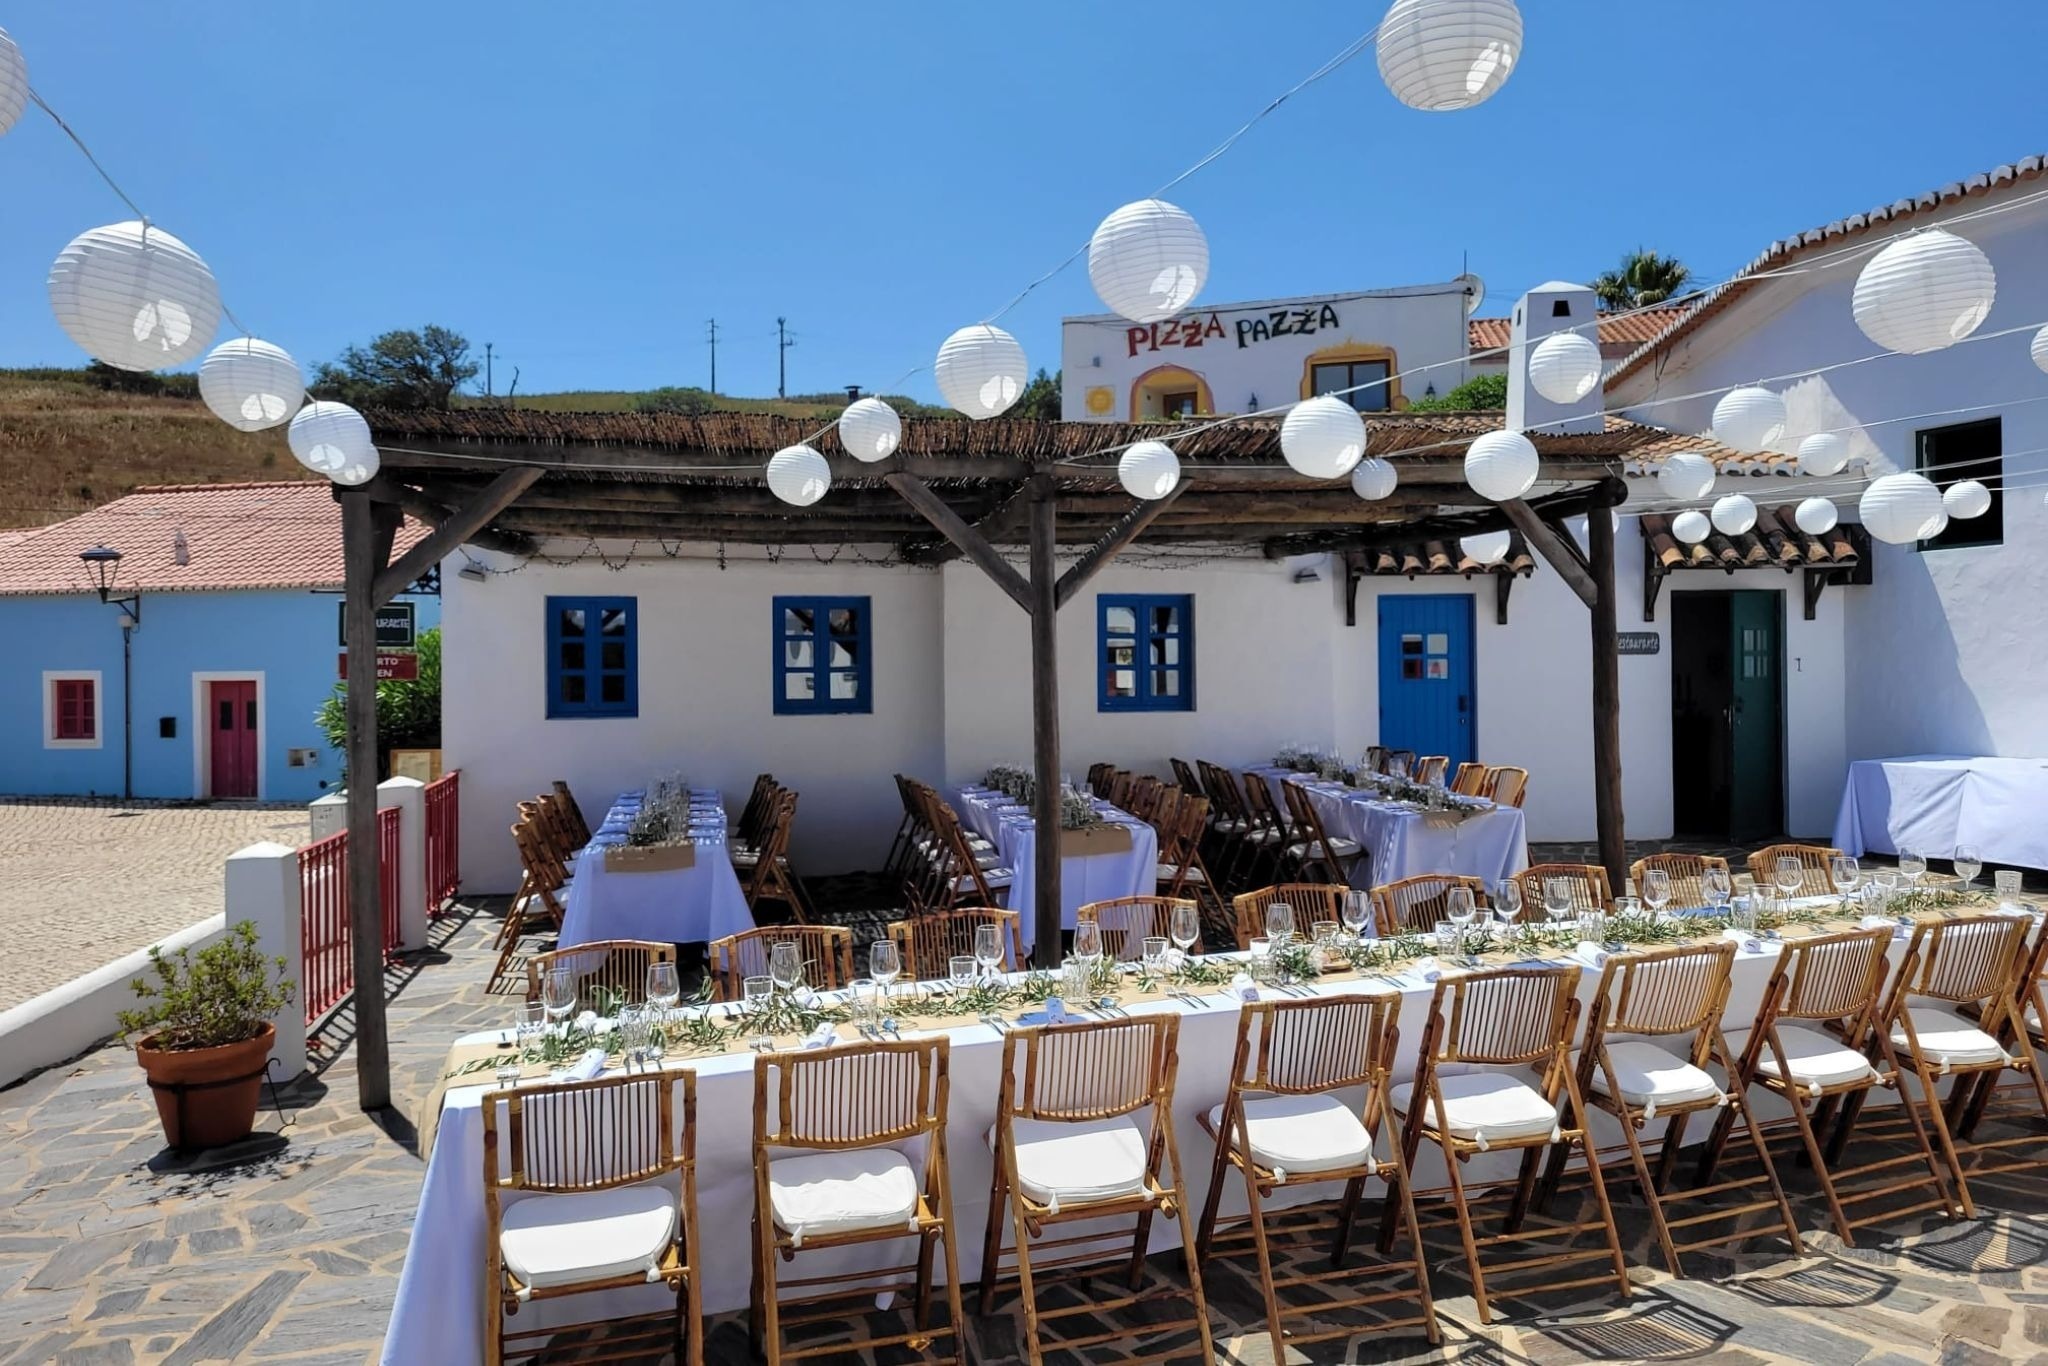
(1756,746)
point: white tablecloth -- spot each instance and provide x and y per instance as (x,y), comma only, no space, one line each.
(1400,841)
(1930,803)
(1083,877)
(676,906)
(438,1319)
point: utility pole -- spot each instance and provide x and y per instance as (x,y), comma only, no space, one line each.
(714,355)
(487,371)
(783,341)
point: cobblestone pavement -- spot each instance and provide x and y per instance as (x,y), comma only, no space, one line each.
(84,882)
(295,1257)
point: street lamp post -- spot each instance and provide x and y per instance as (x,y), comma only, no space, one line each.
(104,563)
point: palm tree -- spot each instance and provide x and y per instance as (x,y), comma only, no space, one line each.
(1642,278)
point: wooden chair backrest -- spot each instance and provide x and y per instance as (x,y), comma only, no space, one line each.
(614,964)
(827,953)
(1506,786)
(1414,904)
(960,862)
(1828,977)
(1969,959)
(1121,783)
(771,845)
(1431,768)
(1180,840)
(928,942)
(1094,1070)
(1312,901)
(1588,881)
(1302,1047)
(536,859)
(1470,780)
(1259,803)
(1665,991)
(852,1095)
(1098,778)
(1504,1015)
(579,827)
(1814,865)
(1686,871)
(537,1137)
(1376,758)
(1224,797)
(1184,773)
(1400,763)
(1127,921)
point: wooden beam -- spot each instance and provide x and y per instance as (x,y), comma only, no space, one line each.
(744,466)
(1607,806)
(920,496)
(1045,726)
(1128,529)
(1007,521)
(443,540)
(1545,541)
(423,507)
(1446,526)
(366,528)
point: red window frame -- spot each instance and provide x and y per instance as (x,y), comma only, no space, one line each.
(73,709)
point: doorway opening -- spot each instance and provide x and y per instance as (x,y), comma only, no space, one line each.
(1727,715)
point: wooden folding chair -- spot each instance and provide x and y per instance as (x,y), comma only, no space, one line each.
(1506,786)
(829,1173)
(1317,850)
(1588,882)
(1069,1148)
(564,1215)
(1815,862)
(1098,778)
(1815,1048)
(1688,873)
(1967,971)
(1431,768)
(1470,780)
(1674,993)
(2029,1020)
(1376,758)
(1398,763)
(1282,1124)
(904,844)
(962,870)
(1312,901)
(1414,904)
(539,880)
(1268,833)
(765,868)
(1184,774)
(827,952)
(609,965)
(1128,921)
(928,943)
(1516,1017)
(579,828)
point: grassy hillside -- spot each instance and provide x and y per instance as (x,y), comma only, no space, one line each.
(625,401)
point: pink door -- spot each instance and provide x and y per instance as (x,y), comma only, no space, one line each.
(231,709)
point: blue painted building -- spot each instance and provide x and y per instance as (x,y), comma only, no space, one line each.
(227,596)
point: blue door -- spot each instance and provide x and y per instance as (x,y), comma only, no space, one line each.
(1427,702)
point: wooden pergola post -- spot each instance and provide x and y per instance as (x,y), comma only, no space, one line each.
(1045,723)
(367,528)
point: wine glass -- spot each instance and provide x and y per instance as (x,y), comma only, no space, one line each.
(1357,905)
(1656,892)
(758,991)
(663,987)
(1507,899)
(988,948)
(1557,898)
(885,965)
(1968,863)
(1088,943)
(960,970)
(1844,869)
(1459,906)
(1789,874)
(1279,924)
(558,996)
(1912,865)
(1185,927)
(1719,885)
(785,964)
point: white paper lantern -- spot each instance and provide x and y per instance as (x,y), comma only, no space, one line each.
(799,475)
(250,384)
(357,471)
(1686,476)
(1448,54)
(1322,437)
(1691,527)
(1149,470)
(1501,465)
(1749,419)
(870,430)
(13,82)
(134,297)
(331,438)
(1565,367)
(1374,479)
(1148,260)
(980,370)
(1823,454)
(2038,349)
(1924,292)
(1489,547)
(1966,499)
(1733,514)
(1816,516)
(1898,508)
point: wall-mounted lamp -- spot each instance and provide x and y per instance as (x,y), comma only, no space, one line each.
(473,572)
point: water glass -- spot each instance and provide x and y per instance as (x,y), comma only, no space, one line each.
(633,1031)
(1746,914)
(864,1003)
(1447,934)
(2007,883)
(1627,907)
(1593,927)
(786,964)
(1155,954)
(1325,941)
(960,970)
(1074,975)
(1186,926)
(1968,863)
(758,991)
(988,949)
(533,1023)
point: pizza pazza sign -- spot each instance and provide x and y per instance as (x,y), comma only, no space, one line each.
(1205,329)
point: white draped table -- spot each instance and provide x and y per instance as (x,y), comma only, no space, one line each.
(1401,841)
(1083,877)
(673,906)
(1930,803)
(439,1316)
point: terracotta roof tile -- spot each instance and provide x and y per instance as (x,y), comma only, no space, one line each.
(1630,329)
(283,535)
(1411,558)
(1775,541)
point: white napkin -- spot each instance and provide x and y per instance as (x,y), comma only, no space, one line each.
(1174,960)
(1883,922)
(821,1037)
(1589,953)
(1426,969)
(1243,988)
(586,1067)
(805,997)
(1055,1010)
(1745,942)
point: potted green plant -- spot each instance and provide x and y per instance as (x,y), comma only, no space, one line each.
(203,1035)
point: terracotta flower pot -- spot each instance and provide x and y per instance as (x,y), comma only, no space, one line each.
(218,1088)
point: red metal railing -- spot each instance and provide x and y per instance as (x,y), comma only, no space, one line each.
(329,971)
(388,858)
(444,850)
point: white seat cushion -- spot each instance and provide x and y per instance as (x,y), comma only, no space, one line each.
(840,1192)
(1649,1074)
(1166,872)
(1080,1163)
(1948,1040)
(1486,1107)
(1817,1058)
(994,877)
(1300,1135)
(587,1235)
(1339,847)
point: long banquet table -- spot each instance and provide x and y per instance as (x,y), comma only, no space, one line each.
(672,906)
(1930,803)
(441,1303)
(1083,877)
(1401,841)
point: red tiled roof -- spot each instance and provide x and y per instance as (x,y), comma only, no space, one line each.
(1996,180)
(285,535)
(1628,329)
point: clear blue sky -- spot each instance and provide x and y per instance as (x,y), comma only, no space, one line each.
(584,185)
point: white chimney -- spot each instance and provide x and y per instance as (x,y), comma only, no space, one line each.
(1555,307)
(181,549)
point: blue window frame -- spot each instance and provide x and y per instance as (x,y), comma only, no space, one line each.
(1145,654)
(823,661)
(593,657)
